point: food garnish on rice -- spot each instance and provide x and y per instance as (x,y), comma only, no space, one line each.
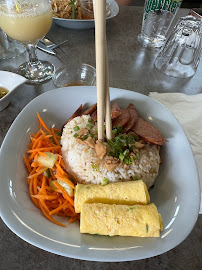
(128,156)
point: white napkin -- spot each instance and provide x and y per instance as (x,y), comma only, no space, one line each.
(188,110)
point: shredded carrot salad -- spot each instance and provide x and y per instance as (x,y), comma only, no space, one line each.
(46,185)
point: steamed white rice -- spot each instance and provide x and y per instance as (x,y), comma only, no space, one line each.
(86,167)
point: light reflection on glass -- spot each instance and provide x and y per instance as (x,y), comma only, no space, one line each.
(150,118)
(53,125)
(44,110)
(58,242)
(176,199)
(28,130)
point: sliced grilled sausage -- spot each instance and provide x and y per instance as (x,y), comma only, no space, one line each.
(123,119)
(133,118)
(78,112)
(94,116)
(115,110)
(90,110)
(148,133)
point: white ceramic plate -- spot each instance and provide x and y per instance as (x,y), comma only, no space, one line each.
(176,192)
(86,24)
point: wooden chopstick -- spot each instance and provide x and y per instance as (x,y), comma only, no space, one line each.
(103,98)
(108,120)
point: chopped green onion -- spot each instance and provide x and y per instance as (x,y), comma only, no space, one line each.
(73,11)
(90,120)
(114,131)
(76,128)
(132,147)
(84,137)
(131,159)
(104,181)
(135,177)
(89,125)
(136,137)
(47,173)
(126,161)
(147,228)
(95,167)
(76,135)
(137,156)
(126,152)
(119,129)
(121,156)
(91,135)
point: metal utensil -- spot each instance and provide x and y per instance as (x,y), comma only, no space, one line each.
(44,48)
(56,48)
(50,44)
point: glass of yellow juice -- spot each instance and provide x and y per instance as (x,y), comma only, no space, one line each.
(28,21)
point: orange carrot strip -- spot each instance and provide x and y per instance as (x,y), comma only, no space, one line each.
(64,193)
(35,201)
(54,137)
(59,168)
(45,197)
(35,186)
(38,173)
(43,187)
(66,180)
(34,165)
(37,134)
(58,208)
(72,219)
(44,205)
(42,154)
(50,217)
(44,149)
(42,123)
(27,164)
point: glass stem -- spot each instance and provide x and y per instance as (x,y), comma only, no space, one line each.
(33,59)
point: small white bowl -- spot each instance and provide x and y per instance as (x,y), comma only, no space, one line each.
(10,81)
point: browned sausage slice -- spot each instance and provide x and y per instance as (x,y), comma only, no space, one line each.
(78,112)
(90,110)
(123,119)
(94,116)
(133,118)
(148,133)
(115,110)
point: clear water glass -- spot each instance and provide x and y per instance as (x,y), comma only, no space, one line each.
(181,53)
(157,18)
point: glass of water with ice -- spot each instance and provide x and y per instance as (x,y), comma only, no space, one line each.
(157,18)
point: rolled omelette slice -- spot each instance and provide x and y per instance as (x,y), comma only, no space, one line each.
(123,220)
(131,192)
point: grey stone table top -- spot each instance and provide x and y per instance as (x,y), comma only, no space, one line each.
(130,67)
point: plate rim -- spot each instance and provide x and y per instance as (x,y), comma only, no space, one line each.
(27,239)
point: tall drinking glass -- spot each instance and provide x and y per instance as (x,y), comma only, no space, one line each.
(157,18)
(28,21)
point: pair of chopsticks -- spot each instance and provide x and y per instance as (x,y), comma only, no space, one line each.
(102,73)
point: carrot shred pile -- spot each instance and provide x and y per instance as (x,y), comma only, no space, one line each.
(51,200)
